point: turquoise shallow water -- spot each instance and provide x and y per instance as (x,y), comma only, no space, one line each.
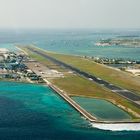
(102,109)
(83,43)
(36,112)
(78,42)
(8,46)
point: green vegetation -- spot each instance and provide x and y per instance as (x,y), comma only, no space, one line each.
(75,85)
(78,86)
(119,78)
(44,61)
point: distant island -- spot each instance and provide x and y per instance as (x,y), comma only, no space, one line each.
(120,41)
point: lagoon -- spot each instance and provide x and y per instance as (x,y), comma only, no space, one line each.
(102,109)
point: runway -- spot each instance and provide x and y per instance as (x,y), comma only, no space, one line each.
(129,95)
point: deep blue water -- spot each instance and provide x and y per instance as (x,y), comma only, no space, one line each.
(36,112)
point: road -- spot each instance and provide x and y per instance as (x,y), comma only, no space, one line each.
(129,95)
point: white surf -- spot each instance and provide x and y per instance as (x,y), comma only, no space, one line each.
(118,127)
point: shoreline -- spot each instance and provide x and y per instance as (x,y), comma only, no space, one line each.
(76,106)
(105,125)
(82,111)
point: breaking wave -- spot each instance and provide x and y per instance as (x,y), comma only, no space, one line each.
(118,127)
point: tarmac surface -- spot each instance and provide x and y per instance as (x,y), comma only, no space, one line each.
(129,95)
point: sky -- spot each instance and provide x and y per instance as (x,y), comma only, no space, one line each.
(69,14)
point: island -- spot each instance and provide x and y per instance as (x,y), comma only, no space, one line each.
(129,41)
(82,83)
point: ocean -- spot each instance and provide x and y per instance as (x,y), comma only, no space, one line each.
(35,112)
(75,42)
